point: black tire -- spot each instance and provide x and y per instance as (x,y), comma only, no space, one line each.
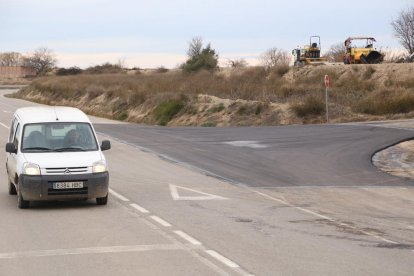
(23,204)
(102,200)
(12,189)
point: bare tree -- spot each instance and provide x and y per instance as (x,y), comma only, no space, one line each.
(195,47)
(237,63)
(336,52)
(41,61)
(10,59)
(274,56)
(404,29)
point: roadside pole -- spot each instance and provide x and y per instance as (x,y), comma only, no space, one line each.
(327,83)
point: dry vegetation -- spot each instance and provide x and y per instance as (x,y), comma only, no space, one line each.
(243,96)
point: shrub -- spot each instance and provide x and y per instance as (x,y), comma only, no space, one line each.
(209,124)
(217,108)
(386,102)
(310,106)
(165,111)
(200,58)
(69,71)
(106,68)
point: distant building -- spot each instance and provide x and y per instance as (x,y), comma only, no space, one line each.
(16,72)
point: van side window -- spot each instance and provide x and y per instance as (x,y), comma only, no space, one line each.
(12,130)
(17,137)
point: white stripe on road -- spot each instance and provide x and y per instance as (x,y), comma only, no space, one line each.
(325,217)
(115,194)
(222,259)
(160,221)
(90,250)
(139,208)
(4,125)
(187,237)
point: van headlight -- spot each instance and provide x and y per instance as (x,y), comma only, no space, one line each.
(99,167)
(31,169)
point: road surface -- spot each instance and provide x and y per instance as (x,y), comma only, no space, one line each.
(301,200)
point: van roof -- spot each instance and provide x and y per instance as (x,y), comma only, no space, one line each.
(41,114)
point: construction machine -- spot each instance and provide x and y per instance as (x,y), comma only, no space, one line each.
(362,54)
(309,54)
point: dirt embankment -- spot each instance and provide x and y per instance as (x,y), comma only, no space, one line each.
(249,96)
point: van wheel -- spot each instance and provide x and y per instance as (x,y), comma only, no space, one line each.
(12,188)
(23,204)
(102,200)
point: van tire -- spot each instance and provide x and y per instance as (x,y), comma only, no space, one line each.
(102,200)
(12,188)
(23,204)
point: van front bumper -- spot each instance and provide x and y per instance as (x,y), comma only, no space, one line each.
(40,187)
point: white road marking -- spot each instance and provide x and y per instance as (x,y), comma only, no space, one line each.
(121,197)
(90,250)
(187,237)
(205,196)
(139,208)
(4,125)
(325,217)
(222,259)
(5,111)
(160,221)
(246,144)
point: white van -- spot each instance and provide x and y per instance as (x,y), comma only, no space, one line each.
(53,154)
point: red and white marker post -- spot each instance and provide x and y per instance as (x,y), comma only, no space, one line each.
(327,80)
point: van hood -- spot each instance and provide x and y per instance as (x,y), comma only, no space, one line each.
(63,159)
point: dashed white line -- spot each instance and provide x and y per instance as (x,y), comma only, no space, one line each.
(115,194)
(160,221)
(222,259)
(139,208)
(187,237)
(325,217)
(4,125)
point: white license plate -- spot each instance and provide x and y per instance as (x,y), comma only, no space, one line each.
(67,185)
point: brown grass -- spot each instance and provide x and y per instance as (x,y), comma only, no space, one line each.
(358,92)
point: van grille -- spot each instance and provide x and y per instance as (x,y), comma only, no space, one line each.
(83,191)
(71,170)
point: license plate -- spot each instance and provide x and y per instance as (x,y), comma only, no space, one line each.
(67,185)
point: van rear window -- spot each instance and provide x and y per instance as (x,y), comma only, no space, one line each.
(43,137)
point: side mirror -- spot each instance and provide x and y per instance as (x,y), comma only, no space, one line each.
(11,148)
(106,145)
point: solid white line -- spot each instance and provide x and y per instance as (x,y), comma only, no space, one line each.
(139,208)
(325,217)
(4,125)
(160,221)
(187,237)
(222,259)
(121,197)
(89,250)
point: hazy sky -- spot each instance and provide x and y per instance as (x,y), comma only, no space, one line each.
(154,32)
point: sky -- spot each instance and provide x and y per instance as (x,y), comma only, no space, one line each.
(154,33)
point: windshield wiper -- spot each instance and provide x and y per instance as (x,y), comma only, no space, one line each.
(69,149)
(37,148)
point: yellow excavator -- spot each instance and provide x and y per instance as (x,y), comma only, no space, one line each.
(309,54)
(365,54)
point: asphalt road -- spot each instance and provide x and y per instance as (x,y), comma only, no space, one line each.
(282,201)
(316,155)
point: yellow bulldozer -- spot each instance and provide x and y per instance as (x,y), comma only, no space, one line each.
(361,54)
(309,54)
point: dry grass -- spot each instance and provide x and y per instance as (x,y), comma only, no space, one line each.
(172,98)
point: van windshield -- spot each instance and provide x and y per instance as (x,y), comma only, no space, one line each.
(58,137)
